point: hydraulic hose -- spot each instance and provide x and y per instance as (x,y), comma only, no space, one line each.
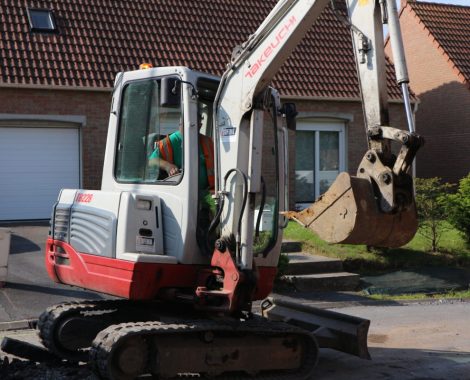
(261,206)
(242,210)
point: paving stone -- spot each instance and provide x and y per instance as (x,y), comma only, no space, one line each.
(305,263)
(324,281)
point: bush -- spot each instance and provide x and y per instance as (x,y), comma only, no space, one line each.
(458,208)
(431,204)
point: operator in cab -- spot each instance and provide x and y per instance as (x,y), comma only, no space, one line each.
(168,155)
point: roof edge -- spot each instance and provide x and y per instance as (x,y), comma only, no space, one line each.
(321,98)
(332,99)
(54,87)
(109,89)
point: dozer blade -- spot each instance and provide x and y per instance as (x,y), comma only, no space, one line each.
(349,213)
(337,331)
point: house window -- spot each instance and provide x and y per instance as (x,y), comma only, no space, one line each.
(42,20)
(320,157)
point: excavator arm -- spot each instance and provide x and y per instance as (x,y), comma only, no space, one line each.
(376,207)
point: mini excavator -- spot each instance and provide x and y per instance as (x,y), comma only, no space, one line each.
(185,263)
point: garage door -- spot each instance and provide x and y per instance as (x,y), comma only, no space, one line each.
(35,163)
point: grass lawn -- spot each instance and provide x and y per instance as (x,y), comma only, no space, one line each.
(453,251)
(462,294)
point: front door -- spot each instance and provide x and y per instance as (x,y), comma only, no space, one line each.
(320,157)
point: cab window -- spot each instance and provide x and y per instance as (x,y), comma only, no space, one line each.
(146,130)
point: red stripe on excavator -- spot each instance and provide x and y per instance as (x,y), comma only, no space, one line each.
(264,286)
(128,279)
(132,280)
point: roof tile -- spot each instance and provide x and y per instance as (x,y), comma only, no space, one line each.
(100,37)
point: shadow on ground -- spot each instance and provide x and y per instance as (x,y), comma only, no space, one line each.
(395,364)
(19,244)
(402,258)
(327,300)
(68,291)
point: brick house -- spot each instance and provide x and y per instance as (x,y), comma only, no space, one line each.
(59,59)
(437,46)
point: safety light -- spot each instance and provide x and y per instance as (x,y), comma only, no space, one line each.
(145,65)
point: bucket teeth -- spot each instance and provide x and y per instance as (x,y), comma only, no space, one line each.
(349,213)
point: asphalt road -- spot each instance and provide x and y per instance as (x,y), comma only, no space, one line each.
(414,341)
(29,290)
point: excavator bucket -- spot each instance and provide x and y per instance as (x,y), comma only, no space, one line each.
(349,213)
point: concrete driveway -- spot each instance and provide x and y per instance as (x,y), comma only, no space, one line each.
(414,341)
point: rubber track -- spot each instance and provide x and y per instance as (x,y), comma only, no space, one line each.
(51,317)
(102,347)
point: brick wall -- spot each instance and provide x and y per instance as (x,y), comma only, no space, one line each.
(93,105)
(443,116)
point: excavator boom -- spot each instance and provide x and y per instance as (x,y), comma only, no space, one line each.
(375,207)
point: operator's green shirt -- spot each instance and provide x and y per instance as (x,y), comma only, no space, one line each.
(176,141)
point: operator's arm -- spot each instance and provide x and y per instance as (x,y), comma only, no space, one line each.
(155,160)
(167,155)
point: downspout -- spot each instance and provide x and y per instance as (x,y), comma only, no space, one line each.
(415,110)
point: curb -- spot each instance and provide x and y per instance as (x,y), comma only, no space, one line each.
(18,325)
(435,300)
(391,303)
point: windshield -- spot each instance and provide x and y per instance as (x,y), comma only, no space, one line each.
(150,141)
